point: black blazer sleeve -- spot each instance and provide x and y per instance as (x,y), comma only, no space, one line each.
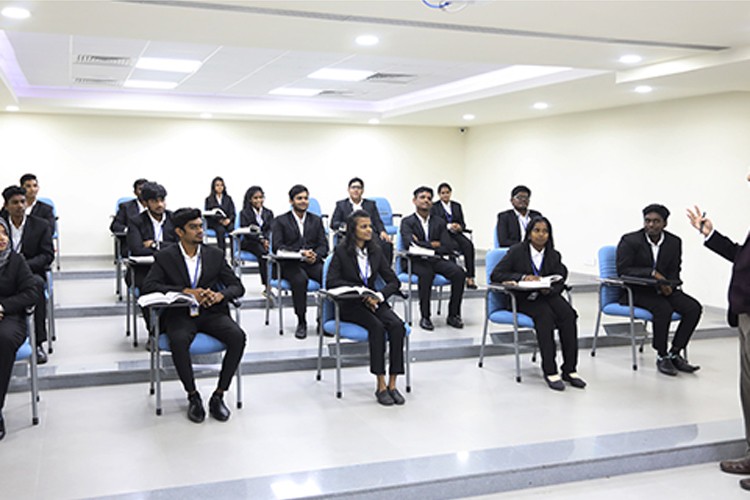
(18,288)
(634,256)
(411,233)
(36,245)
(344,271)
(372,208)
(517,263)
(120,222)
(44,211)
(724,246)
(339,214)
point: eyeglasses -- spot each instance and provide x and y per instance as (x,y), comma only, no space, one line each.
(520,197)
(355,187)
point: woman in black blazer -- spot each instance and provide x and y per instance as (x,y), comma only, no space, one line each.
(453,214)
(18,290)
(255,214)
(529,260)
(359,261)
(221,200)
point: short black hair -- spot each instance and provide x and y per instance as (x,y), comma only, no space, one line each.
(297,189)
(184,215)
(444,185)
(520,189)
(27,177)
(657,208)
(423,189)
(356,179)
(153,191)
(12,191)
(138,183)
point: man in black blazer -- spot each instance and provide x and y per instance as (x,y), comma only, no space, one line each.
(435,237)
(652,252)
(33,206)
(739,316)
(126,211)
(452,212)
(344,209)
(31,237)
(300,231)
(201,271)
(511,224)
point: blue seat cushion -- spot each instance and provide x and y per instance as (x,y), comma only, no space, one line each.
(202,344)
(211,233)
(615,309)
(504,317)
(24,351)
(438,280)
(312,286)
(247,256)
(351,331)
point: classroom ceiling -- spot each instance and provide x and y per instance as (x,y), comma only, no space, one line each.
(432,66)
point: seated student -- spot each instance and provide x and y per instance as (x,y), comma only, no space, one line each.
(31,237)
(18,290)
(126,211)
(300,231)
(344,208)
(33,205)
(451,211)
(511,224)
(152,229)
(528,261)
(652,252)
(219,199)
(358,261)
(255,214)
(429,231)
(201,271)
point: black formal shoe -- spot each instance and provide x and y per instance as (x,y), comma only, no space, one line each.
(682,364)
(2,427)
(737,466)
(665,365)
(301,331)
(426,324)
(41,355)
(472,285)
(196,413)
(455,321)
(573,379)
(745,483)
(554,382)
(217,408)
(396,397)
(384,397)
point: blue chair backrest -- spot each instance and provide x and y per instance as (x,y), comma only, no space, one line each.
(314,207)
(497,300)
(608,269)
(122,200)
(50,203)
(384,209)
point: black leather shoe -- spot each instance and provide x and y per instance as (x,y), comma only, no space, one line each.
(682,364)
(472,285)
(301,331)
(2,427)
(554,382)
(196,413)
(426,324)
(665,365)
(573,379)
(737,466)
(397,397)
(384,397)
(455,321)
(745,483)
(41,355)
(217,408)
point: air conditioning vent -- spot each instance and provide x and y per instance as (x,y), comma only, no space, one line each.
(391,78)
(95,60)
(107,82)
(336,92)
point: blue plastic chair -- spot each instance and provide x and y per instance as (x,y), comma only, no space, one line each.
(387,215)
(55,233)
(329,322)
(500,312)
(609,301)
(28,352)
(408,277)
(241,257)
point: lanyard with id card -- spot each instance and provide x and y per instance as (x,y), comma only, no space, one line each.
(195,309)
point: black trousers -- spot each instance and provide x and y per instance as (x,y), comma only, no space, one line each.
(256,248)
(467,250)
(297,273)
(550,312)
(381,325)
(181,330)
(12,336)
(662,307)
(425,269)
(40,311)
(221,233)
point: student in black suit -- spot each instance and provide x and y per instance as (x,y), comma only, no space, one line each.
(738,316)
(652,252)
(255,214)
(152,230)
(219,199)
(126,211)
(31,237)
(530,260)
(201,271)
(452,212)
(429,231)
(33,206)
(300,231)
(511,224)
(344,208)
(358,261)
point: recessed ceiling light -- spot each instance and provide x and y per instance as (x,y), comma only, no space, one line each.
(343,75)
(468,117)
(631,59)
(15,13)
(206,116)
(540,105)
(149,84)
(295,92)
(373,121)
(11,108)
(367,40)
(172,65)
(643,89)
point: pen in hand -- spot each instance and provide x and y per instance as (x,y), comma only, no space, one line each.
(703,221)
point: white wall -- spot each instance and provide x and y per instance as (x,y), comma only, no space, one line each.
(592,173)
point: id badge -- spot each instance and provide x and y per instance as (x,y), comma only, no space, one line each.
(195,310)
